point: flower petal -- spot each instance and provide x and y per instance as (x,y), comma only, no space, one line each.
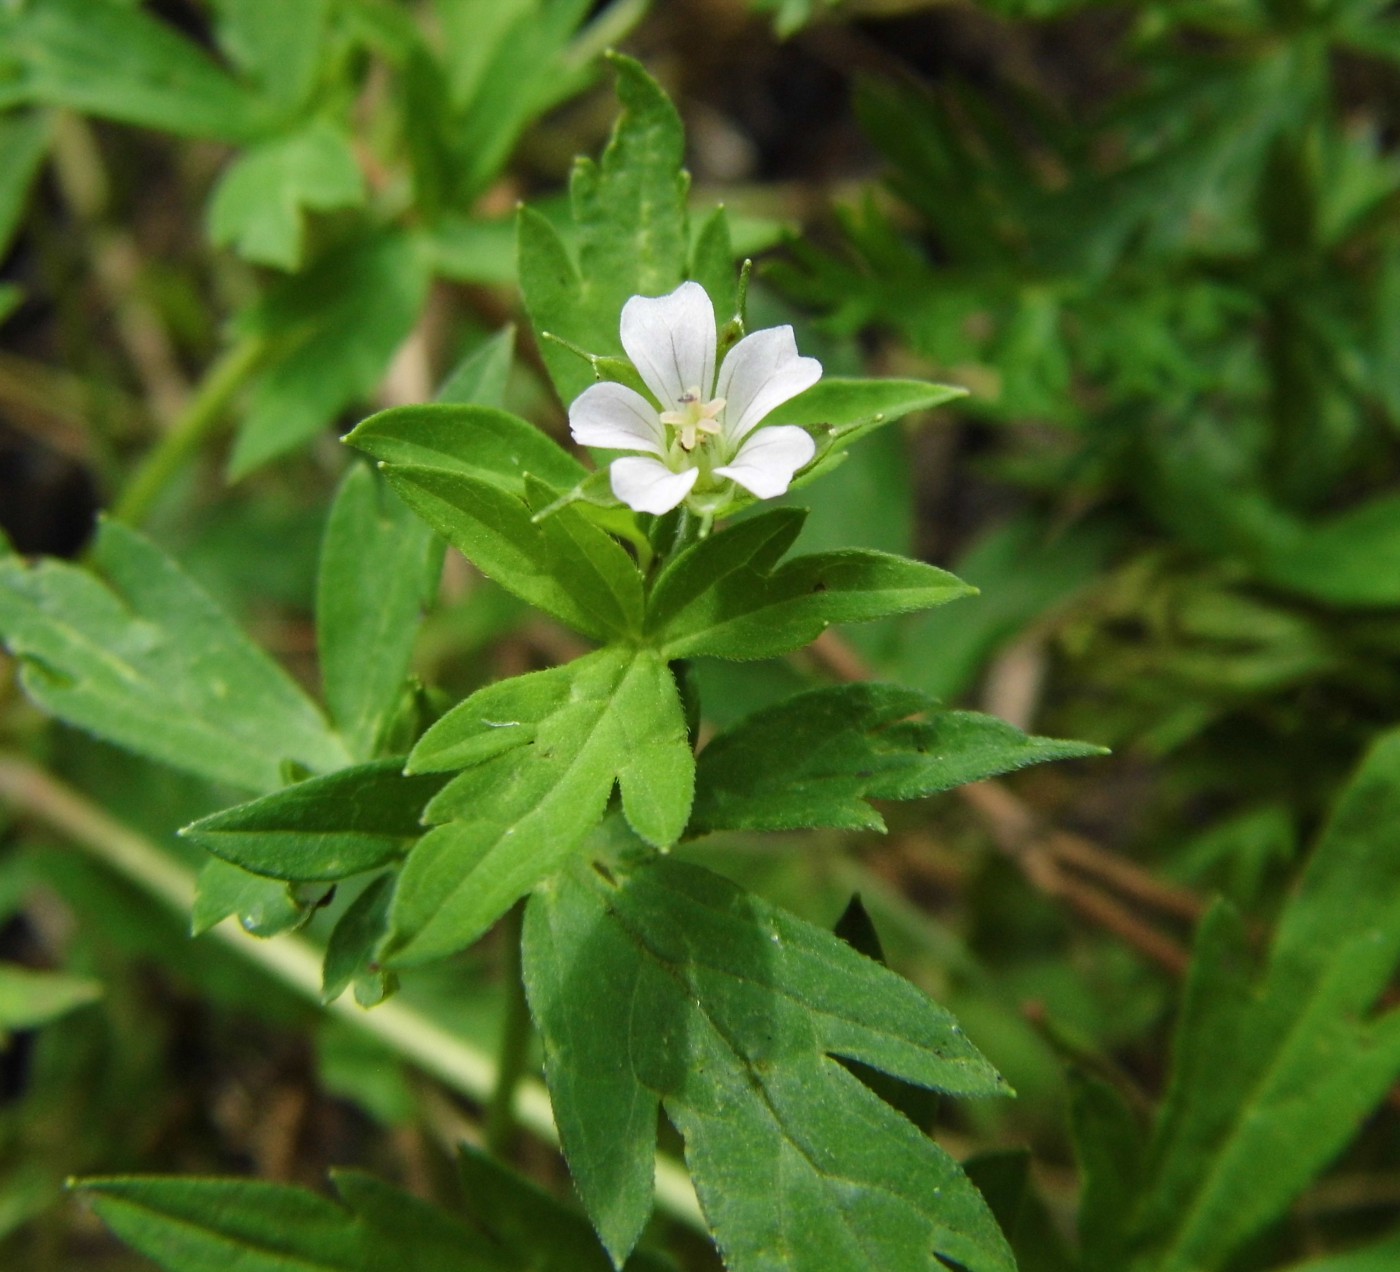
(760,373)
(671,341)
(647,485)
(766,462)
(617,417)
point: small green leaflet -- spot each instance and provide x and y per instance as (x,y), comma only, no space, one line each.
(541,755)
(481,378)
(327,828)
(562,563)
(672,987)
(350,951)
(212,1225)
(481,442)
(1285,1070)
(264,906)
(816,759)
(379,571)
(148,661)
(727,596)
(840,412)
(630,213)
(257,207)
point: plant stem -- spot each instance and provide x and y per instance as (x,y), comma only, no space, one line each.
(194,427)
(297,963)
(515,1039)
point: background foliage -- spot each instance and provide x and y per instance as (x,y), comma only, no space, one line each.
(1159,244)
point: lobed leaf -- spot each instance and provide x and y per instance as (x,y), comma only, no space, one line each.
(541,753)
(630,214)
(258,204)
(818,758)
(147,660)
(671,987)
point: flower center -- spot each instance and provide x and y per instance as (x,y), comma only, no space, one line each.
(695,419)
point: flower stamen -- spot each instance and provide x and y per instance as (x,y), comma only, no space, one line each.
(695,417)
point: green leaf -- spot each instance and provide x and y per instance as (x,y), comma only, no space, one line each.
(670,986)
(213,1225)
(278,45)
(258,204)
(115,60)
(630,214)
(481,442)
(725,597)
(29,998)
(562,564)
(544,751)
(264,906)
(335,329)
(147,660)
(481,377)
(379,570)
(712,265)
(1286,1070)
(327,828)
(350,951)
(840,412)
(24,141)
(816,759)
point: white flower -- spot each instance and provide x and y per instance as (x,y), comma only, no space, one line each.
(706,433)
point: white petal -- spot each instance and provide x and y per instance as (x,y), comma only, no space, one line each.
(646,485)
(766,462)
(671,341)
(760,373)
(617,417)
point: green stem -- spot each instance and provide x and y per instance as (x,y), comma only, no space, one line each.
(297,964)
(195,426)
(515,1040)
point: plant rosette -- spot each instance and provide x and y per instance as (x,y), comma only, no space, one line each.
(701,436)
